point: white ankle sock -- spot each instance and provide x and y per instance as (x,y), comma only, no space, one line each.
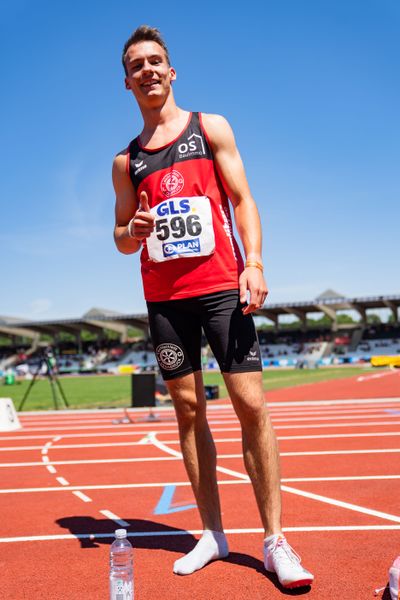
(212,545)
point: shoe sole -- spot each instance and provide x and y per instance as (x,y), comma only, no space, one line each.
(293,584)
(296,584)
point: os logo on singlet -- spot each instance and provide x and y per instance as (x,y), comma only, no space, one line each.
(172,183)
(170,356)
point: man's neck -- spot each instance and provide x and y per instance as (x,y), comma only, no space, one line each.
(160,122)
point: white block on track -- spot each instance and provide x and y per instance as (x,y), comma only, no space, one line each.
(8,417)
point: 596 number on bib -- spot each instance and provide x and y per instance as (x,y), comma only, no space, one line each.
(178,227)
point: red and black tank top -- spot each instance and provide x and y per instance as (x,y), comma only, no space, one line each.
(192,251)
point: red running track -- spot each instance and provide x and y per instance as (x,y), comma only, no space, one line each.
(68,478)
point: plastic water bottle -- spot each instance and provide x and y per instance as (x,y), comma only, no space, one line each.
(121,567)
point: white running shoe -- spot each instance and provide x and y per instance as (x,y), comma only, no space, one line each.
(394,579)
(281,559)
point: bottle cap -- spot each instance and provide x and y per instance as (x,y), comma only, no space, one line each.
(120,533)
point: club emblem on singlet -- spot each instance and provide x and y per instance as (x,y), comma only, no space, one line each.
(172,183)
(170,356)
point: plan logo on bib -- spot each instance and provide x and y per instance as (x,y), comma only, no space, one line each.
(172,183)
(170,356)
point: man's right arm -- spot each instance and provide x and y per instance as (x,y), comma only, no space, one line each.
(133,221)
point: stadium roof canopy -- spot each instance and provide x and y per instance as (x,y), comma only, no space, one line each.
(97,320)
(330,303)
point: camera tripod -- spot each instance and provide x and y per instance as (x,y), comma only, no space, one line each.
(47,360)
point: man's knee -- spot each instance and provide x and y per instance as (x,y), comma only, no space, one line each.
(247,397)
(188,405)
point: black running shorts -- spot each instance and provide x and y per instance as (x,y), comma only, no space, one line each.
(176,331)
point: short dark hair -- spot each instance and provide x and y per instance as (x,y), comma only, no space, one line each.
(145,33)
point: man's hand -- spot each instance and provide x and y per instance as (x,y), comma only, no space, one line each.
(252,279)
(143,221)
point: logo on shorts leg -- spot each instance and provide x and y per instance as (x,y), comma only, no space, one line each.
(169,356)
(252,356)
(172,183)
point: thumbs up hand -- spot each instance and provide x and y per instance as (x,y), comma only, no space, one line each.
(143,221)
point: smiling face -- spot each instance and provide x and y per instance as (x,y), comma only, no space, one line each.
(149,75)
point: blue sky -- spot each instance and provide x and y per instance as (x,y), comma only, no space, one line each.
(311,89)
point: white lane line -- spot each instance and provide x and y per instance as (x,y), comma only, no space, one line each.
(214,429)
(211,422)
(82,496)
(45,450)
(333,452)
(177,454)
(213,407)
(136,534)
(51,469)
(45,459)
(115,518)
(219,440)
(118,486)
(223,415)
(337,435)
(334,402)
(291,490)
(339,503)
(144,440)
(138,412)
(344,478)
(57,438)
(62,481)
(113,486)
(327,425)
(381,415)
(97,461)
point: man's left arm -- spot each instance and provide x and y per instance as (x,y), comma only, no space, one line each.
(233,177)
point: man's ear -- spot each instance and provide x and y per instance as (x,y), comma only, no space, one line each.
(127,86)
(172,73)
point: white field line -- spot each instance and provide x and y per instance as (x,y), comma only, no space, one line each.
(347,505)
(217,440)
(138,534)
(82,496)
(213,429)
(119,486)
(96,461)
(376,375)
(324,499)
(51,469)
(62,481)
(115,518)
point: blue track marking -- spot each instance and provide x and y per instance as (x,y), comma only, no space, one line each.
(164,506)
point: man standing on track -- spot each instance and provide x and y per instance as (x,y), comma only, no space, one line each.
(172,186)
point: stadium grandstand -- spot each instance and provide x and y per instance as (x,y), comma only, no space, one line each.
(330,330)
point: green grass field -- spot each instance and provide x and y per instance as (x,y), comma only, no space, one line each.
(105,391)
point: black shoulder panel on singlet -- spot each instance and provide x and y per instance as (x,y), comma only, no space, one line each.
(191,145)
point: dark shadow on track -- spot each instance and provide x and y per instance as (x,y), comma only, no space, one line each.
(386,593)
(90,527)
(245,560)
(87,530)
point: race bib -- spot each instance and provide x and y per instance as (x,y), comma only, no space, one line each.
(183,229)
